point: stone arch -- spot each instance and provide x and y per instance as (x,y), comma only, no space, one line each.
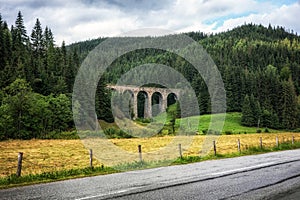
(156,103)
(171,98)
(142,104)
(128,104)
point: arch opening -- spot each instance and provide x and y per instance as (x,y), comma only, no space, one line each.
(142,104)
(156,102)
(171,99)
(127,106)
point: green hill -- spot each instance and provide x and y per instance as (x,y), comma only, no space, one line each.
(232,124)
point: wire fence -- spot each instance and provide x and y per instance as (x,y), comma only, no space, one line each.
(26,164)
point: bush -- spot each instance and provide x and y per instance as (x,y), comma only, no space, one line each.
(228,132)
(258,131)
(296,130)
(144,120)
(267,130)
(115,133)
(213,132)
(69,135)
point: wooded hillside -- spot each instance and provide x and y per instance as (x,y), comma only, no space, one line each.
(260,67)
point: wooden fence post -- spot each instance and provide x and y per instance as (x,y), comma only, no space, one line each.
(277,143)
(20,158)
(180,151)
(91,158)
(260,141)
(239,145)
(293,138)
(215,148)
(140,152)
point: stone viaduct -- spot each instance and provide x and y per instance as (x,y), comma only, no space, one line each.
(148,93)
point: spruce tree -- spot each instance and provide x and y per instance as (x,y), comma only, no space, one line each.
(37,39)
(251,111)
(289,105)
(21,32)
(247,114)
(48,38)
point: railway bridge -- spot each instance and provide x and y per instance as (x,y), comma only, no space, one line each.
(160,95)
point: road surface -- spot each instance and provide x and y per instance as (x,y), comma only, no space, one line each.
(266,176)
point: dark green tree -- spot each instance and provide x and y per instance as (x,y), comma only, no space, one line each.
(251,111)
(20,30)
(37,39)
(103,102)
(48,38)
(289,105)
(18,100)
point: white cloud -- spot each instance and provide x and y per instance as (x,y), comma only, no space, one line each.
(286,16)
(79,20)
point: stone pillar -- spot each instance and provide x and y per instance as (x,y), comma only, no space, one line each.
(160,104)
(135,104)
(148,105)
(164,103)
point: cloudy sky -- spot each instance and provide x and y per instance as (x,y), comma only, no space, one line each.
(77,20)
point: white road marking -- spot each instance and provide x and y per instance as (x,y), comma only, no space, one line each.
(242,169)
(108,193)
(212,174)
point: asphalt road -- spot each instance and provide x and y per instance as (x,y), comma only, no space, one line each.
(266,176)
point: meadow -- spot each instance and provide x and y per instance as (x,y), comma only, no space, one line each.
(56,155)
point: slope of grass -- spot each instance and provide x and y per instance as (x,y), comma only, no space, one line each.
(199,124)
(232,124)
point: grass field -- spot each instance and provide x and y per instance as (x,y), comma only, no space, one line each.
(197,125)
(232,124)
(55,155)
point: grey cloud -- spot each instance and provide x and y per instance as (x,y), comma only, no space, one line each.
(139,5)
(36,4)
(32,4)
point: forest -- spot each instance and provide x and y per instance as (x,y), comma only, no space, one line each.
(260,67)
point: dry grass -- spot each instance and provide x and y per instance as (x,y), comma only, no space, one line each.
(42,155)
(54,155)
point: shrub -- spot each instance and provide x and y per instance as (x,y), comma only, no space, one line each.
(297,130)
(228,132)
(110,132)
(213,132)
(144,120)
(258,131)
(267,130)
(115,133)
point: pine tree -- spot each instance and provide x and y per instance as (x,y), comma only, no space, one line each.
(251,111)
(103,103)
(20,49)
(20,29)
(48,38)
(247,114)
(2,51)
(2,62)
(289,105)
(37,39)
